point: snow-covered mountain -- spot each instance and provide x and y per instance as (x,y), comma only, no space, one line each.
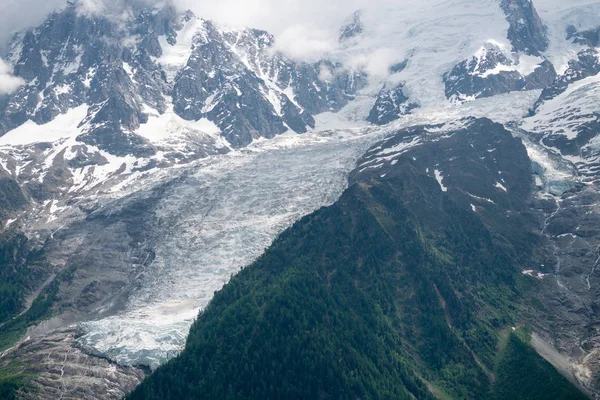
(153,88)
(155,153)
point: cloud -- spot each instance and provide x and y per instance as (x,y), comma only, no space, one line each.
(272,15)
(112,7)
(325,74)
(16,15)
(305,29)
(306,42)
(275,16)
(375,62)
(95,6)
(8,82)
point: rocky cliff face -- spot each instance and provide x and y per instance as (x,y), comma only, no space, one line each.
(391,104)
(491,72)
(353,28)
(495,70)
(74,59)
(527,33)
(232,79)
(125,70)
(587,64)
(12,198)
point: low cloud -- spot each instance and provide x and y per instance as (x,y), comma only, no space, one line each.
(306,42)
(276,16)
(111,7)
(16,15)
(305,29)
(8,82)
(325,74)
(96,6)
(376,63)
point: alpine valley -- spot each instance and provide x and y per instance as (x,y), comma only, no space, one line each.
(190,210)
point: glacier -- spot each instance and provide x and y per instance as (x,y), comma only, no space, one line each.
(224,211)
(219,217)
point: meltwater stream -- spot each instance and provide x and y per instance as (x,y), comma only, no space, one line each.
(215,220)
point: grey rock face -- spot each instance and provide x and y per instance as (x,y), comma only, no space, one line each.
(66,372)
(218,85)
(353,28)
(526,32)
(569,292)
(590,37)
(398,67)
(233,78)
(586,65)
(566,121)
(74,59)
(541,77)
(565,117)
(325,86)
(391,104)
(12,198)
(491,72)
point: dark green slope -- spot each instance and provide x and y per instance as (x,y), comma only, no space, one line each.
(523,375)
(398,291)
(12,198)
(20,269)
(14,250)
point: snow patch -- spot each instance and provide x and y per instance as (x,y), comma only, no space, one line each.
(170,126)
(175,57)
(440,178)
(534,274)
(498,185)
(567,112)
(63,126)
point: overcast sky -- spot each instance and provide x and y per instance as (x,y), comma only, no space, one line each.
(20,14)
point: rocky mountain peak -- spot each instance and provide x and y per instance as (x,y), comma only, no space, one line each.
(391,105)
(352,28)
(493,70)
(159,57)
(526,32)
(112,97)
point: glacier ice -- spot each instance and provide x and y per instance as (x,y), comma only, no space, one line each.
(216,219)
(224,211)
